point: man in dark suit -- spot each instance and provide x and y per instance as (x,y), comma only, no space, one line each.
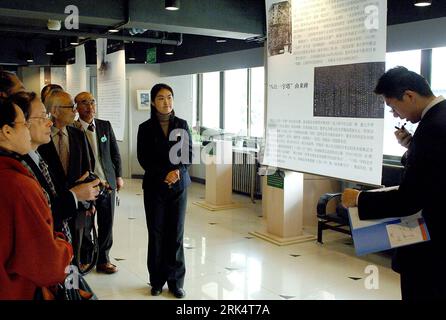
(107,166)
(67,154)
(420,265)
(67,157)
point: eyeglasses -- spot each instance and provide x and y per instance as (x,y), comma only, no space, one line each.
(72,107)
(90,102)
(25,123)
(46,116)
(392,110)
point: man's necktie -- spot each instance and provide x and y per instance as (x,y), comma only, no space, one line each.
(91,127)
(63,152)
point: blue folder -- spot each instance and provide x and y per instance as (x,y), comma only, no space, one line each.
(374,235)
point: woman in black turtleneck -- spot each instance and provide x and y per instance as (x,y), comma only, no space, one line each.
(165,152)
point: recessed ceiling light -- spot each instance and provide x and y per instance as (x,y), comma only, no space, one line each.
(50,53)
(220,40)
(172,5)
(113,30)
(422,3)
(169,50)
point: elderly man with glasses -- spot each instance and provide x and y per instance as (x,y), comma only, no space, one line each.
(67,154)
(106,164)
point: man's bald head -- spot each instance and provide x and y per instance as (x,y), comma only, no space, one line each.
(57,98)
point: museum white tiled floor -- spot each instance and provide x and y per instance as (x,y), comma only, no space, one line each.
(224,261)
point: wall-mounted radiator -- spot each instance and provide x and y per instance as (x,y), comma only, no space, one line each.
(244,174)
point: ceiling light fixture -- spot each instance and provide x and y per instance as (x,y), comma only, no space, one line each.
(169,50)
(422,3)
(29,58)
(74,41)
(50,48)
(113,30)
(220,40)
(172,4)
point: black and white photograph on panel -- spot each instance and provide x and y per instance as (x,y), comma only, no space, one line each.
(347,91)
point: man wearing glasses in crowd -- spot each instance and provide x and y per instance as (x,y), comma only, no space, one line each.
(67,153)
(106,164)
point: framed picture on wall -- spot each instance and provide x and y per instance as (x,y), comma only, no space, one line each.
(143,99)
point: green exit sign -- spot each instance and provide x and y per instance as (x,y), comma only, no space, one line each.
(151,55)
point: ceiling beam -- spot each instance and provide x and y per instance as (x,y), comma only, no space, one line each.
(91,36)
(238,19)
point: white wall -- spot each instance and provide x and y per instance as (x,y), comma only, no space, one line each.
(416,35)
(30,77)
(141,76)
(226,61)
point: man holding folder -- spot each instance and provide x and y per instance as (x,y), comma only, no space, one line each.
(420,265)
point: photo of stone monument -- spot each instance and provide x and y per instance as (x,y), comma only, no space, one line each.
(279,28)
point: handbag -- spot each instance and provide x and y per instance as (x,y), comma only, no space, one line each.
(67,291)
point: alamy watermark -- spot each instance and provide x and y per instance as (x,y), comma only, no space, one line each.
(72,278)
(213,151)
(371,282)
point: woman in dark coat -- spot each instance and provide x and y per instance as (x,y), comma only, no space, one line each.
(165,152)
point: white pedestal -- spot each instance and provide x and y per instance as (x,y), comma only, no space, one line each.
(219,178)
(284,210)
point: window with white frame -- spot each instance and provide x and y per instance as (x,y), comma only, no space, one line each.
(194,100)
(236,102)
(211,100)
(236,107)
(257,94)
(438,80)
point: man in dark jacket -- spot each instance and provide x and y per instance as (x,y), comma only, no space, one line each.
(420,265)
(106,164)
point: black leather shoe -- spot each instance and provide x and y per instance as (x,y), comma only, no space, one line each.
(178,292)
(156,291)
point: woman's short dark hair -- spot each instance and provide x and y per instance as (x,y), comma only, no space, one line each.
(46,90)
(157,88)
(5,81)
(396,81)
(7,112)
(23,100)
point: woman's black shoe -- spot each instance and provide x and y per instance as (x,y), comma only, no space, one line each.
(178,292)
(156,291)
